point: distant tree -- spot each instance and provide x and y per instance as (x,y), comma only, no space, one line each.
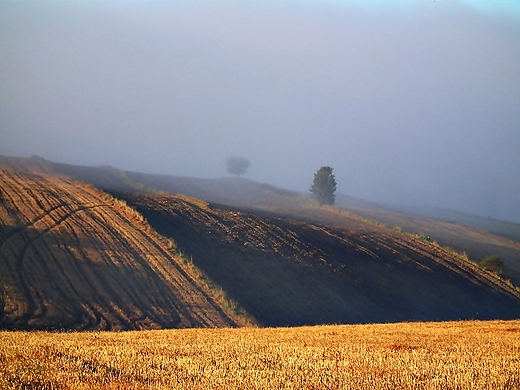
(324,186)
(237,165)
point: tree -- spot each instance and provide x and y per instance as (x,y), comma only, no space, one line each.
(237,165)
(324,186)
(493,264)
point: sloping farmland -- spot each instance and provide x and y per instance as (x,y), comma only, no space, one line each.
(73,257)
(290,272)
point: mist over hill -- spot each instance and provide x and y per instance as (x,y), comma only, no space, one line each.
(413,103)
(472,235)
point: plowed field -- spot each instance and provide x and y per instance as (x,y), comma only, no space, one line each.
(292,272)
(74,257)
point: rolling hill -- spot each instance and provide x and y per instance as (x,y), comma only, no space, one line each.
(74,256)
(288,272)
(477,237)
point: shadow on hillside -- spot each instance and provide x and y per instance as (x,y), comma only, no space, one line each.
(50,281)
(287,273)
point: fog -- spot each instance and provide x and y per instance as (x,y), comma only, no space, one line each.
(411,102)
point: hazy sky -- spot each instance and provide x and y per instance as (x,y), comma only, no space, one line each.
(411,102)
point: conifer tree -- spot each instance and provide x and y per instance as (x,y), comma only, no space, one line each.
(324,186)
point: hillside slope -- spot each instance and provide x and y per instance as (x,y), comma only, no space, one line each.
(290,272)
(73,257)
(476,236)
(282,258)
(476,243)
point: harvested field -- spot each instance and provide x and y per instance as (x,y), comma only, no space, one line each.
(452,355)
(74,257)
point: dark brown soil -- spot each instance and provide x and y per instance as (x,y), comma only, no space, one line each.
(286,271)
(73,257)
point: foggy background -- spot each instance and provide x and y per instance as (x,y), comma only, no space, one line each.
(411,103)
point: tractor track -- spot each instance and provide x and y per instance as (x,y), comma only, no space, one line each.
(73,257)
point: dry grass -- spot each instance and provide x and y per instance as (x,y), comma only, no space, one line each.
(456,355)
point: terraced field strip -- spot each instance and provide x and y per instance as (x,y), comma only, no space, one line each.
(425,356)
(72,255)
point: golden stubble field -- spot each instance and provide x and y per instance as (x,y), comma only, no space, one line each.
(451,355)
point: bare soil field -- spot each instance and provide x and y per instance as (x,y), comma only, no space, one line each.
(476,237)
(290,272)
(477,244)
(452,355)
(74,257)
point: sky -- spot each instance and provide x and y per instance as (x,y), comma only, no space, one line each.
(411,102)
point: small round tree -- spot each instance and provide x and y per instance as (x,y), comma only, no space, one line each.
(237,165)
(324,186)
